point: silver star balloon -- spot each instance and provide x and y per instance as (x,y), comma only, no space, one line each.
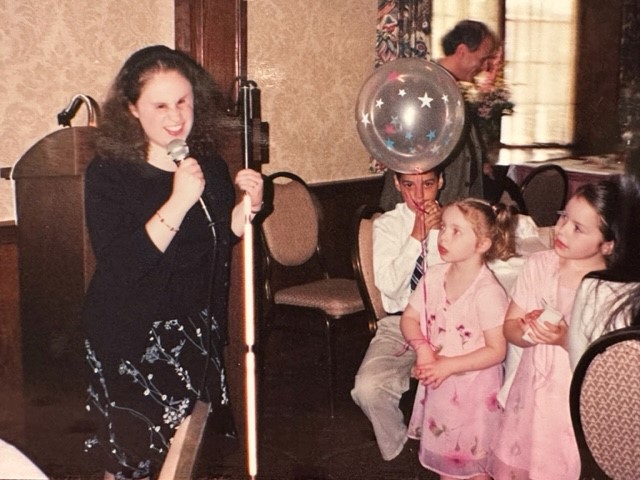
(410,115)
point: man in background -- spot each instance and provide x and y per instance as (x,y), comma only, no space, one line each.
(468,49)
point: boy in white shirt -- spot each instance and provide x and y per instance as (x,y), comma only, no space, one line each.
(398,238)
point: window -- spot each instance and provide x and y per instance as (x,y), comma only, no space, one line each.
(540,52)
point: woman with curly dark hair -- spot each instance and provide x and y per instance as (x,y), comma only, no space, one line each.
(155,311)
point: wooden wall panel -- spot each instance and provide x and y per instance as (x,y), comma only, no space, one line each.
(597,81)
(214,33)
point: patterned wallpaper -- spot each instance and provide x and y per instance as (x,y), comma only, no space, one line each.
(309,60)
(51,50)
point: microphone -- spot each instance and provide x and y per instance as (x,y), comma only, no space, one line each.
(178,150)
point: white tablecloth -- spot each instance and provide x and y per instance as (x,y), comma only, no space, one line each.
(16,466)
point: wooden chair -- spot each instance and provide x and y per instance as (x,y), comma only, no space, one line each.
(294,273)
(604,402)
(362,262)
(544,192)
(181,458)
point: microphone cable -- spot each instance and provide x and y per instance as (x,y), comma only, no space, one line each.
(178,150)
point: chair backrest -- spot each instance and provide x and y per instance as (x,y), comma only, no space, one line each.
(605,401)
(544,192)
(499,187)
(511,195)
(290,232)
(362,262)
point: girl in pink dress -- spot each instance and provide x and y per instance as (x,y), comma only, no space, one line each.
(536,439)
(454,322)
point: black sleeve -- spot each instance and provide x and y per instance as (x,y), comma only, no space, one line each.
(116,223)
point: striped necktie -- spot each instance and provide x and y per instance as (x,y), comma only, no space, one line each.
(418,271)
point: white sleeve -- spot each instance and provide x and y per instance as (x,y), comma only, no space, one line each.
(580,314)
(595,301)
(394,259)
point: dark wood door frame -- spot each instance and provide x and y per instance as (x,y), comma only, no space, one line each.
(214,32)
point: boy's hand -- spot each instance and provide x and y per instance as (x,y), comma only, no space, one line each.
(428,217)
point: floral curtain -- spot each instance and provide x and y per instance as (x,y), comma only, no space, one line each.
(403,30)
